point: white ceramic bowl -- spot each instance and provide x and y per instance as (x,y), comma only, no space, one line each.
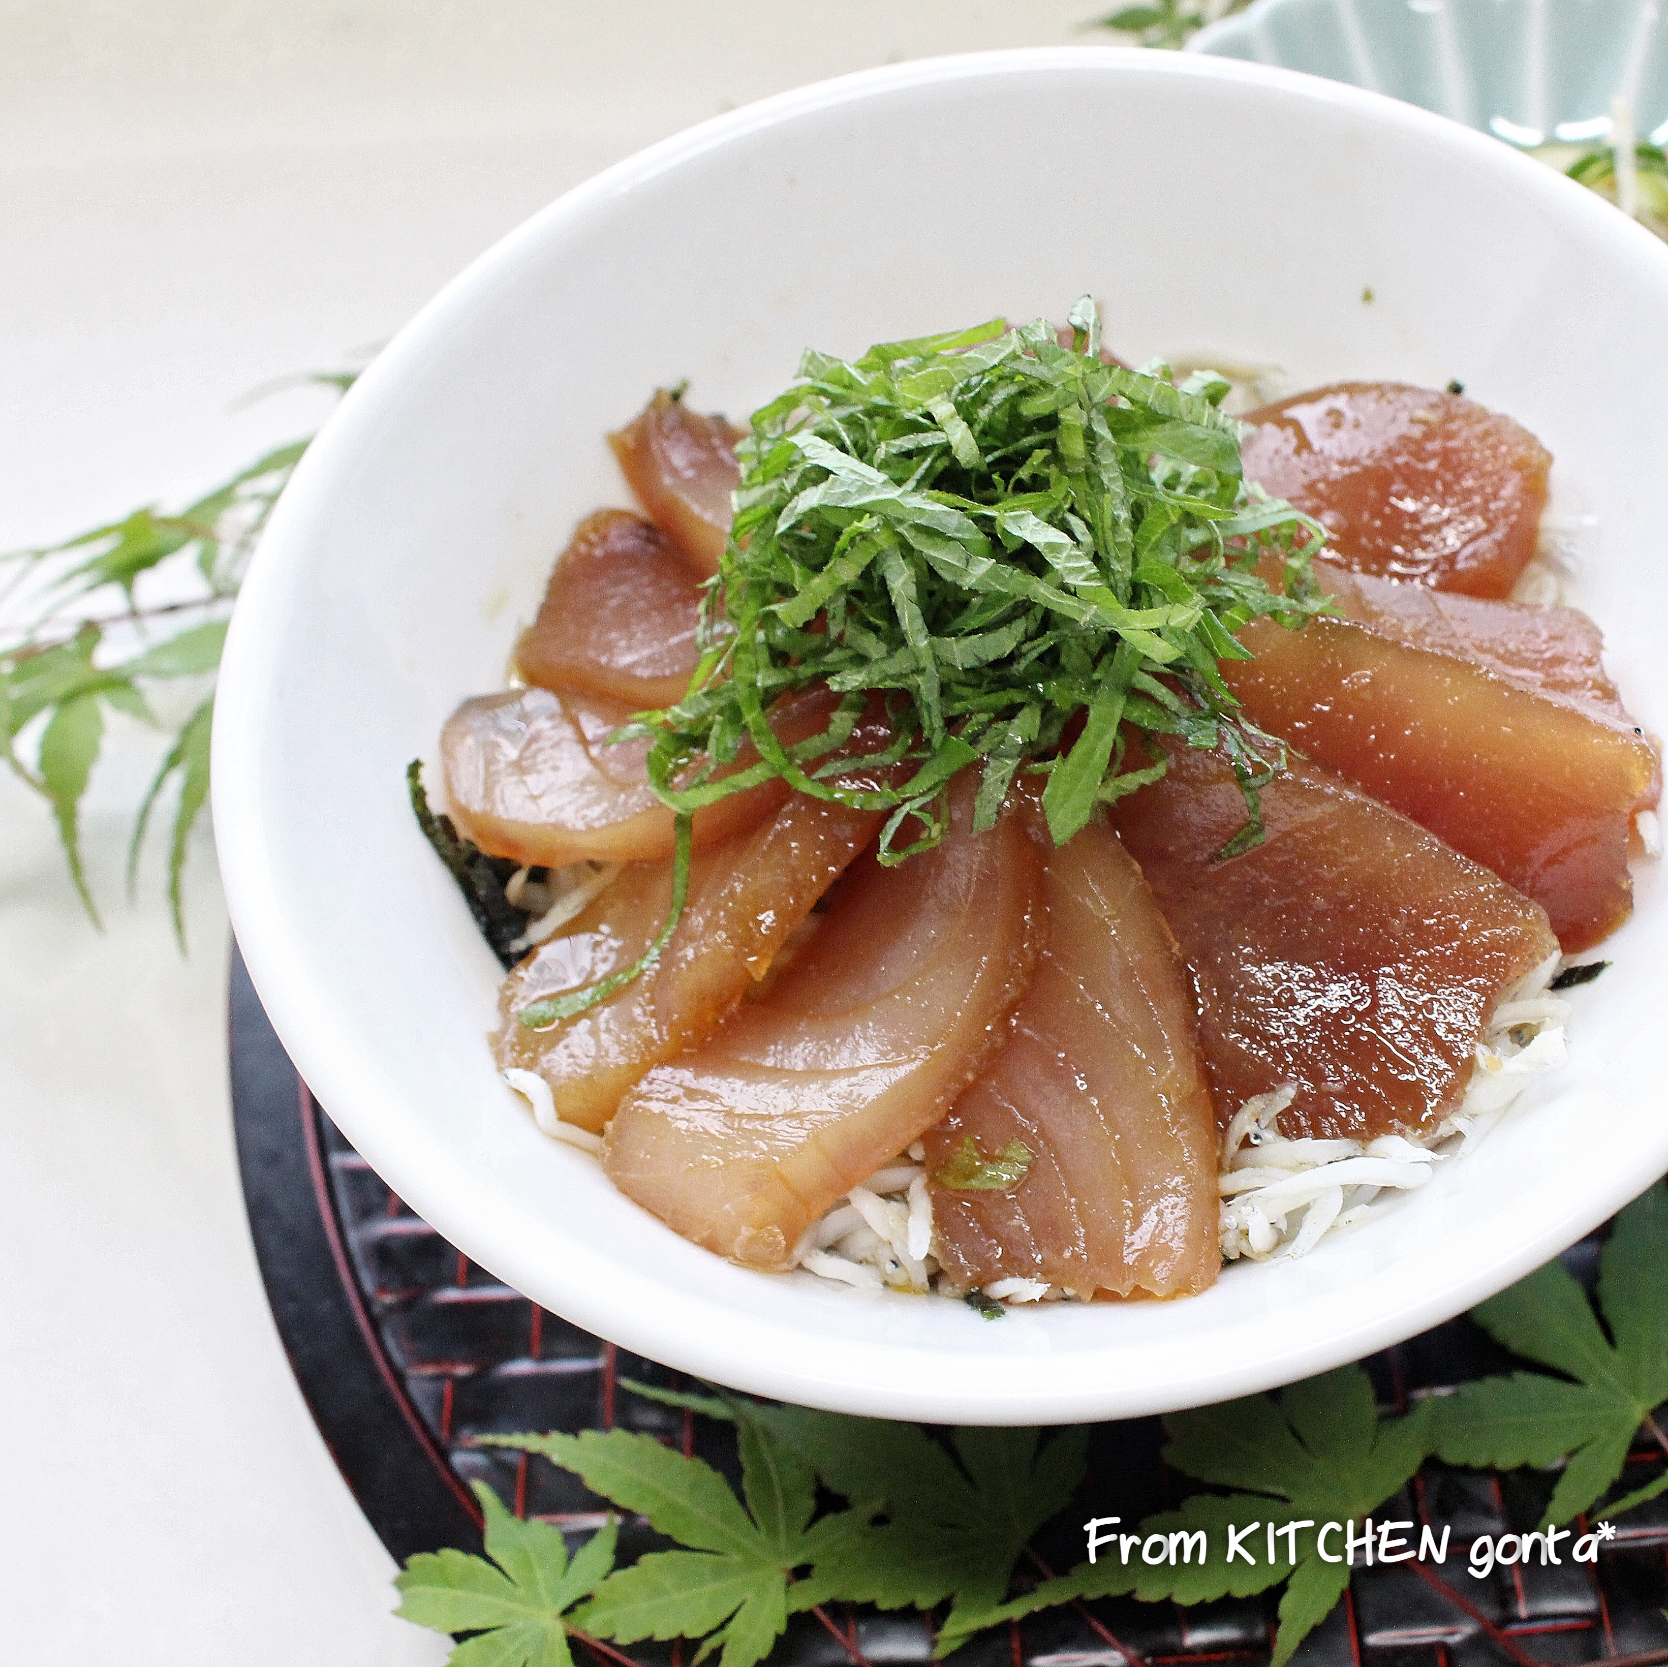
(1212,206)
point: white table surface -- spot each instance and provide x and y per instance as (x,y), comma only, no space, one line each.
(197,197)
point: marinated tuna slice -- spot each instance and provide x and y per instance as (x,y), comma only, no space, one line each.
(1410,483)
(1351,953)
(618,617)
(1540,787)
(682,466)
(1557,652)
(1102,1082)
(532,774)
(856,1050)
(748,901)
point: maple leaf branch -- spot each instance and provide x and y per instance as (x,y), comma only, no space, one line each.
(128,616)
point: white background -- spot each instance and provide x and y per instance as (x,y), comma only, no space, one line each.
(198,197)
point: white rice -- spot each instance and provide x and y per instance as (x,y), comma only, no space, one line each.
(536,1092)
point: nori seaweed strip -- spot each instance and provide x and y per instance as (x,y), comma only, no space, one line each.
(480,878)
(987,1308)
(1572,977)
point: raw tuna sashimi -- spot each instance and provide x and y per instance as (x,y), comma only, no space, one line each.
(1517,755)
(1102,1082)
(618,616)
(857,1049)
(1351,953)
(682,466)
(1410,483)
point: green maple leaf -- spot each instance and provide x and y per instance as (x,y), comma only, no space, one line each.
(124,550)
(734,1583)
(63,684)
(955,1525)
(1319,1454)
(1612,1385)
(69,748)
(1169,24)
(514,1598)
(189,759)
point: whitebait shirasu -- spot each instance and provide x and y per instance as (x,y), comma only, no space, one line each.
(536,1092)
(880,1236)
(1649,830)
(1281,1197)
(560,898)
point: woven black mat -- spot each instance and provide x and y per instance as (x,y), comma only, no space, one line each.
(405,1351)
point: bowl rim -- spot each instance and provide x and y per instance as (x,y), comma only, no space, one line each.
(421,1169)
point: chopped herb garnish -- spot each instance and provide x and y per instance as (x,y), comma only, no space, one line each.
(1572,978)
(480,878)
(1027,556)
(987,1308)
(540,1014)
(970,1171)
(1021,550)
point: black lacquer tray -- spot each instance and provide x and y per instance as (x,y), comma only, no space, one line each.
(405,1351)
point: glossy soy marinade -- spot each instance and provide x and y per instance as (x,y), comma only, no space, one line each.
(1412,484)
(748,898)
(1491,724)
(618,617)
(682,466)
(1351,953)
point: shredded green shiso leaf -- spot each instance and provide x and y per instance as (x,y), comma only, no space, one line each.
(1026,554)
(997,534)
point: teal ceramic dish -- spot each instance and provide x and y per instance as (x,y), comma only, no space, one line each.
(1529,71)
